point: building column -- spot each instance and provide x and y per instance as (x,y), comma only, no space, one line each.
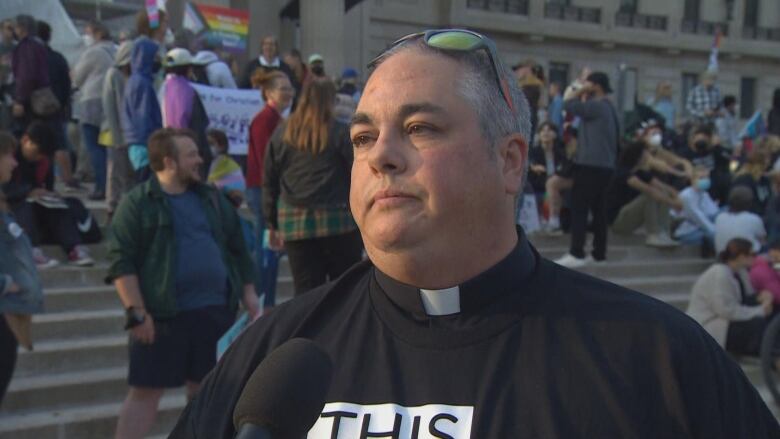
(322,31)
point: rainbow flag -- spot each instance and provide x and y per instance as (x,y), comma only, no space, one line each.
(226,174)
(226,26)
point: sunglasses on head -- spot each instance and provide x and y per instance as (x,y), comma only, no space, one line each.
(458,40)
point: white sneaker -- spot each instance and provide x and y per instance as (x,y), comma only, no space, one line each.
(661,240)
(42,261)
(570,261)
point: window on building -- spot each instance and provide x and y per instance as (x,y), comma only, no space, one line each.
(689,80)
(560,2)
(751,13)
(629,6)
(747,97)
(559,72)
(692,9)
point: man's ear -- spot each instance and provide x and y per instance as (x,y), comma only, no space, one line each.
(169,163)
(513,151)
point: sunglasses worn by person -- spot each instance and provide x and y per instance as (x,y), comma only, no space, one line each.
(458,40)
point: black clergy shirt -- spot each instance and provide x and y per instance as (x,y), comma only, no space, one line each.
(536,351)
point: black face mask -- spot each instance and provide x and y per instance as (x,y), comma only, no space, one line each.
(318,70)
(701,146)
(156,66)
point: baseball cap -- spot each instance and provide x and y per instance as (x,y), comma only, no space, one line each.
(316,57)
(349,73)
(178,57)
(601,79)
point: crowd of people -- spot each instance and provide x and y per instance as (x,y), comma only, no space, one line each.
(182,253)
(172,188)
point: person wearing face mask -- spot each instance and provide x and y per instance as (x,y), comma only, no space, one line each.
(704,150)
(765,271)
(698,213)
(317,65)
(724,302)
(278,94)
(88,75)
(636,198)
(660,159)
(224,172)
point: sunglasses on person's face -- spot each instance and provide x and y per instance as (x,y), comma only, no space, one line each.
(458,40)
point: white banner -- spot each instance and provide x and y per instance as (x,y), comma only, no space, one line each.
(231,111)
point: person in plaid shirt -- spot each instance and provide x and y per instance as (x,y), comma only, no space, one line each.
(306,191)
(704,100)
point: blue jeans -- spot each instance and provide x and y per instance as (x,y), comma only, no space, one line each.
(266,260)
(97,154)
(696,237)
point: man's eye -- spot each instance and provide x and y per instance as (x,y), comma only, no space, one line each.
(419,129)
(361,140)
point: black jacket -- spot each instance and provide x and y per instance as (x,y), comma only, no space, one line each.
(59,78)
(246,78)
(536,157)
(303,179)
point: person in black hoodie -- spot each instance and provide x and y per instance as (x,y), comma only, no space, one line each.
(546,158)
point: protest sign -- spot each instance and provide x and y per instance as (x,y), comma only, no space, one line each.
(231,111)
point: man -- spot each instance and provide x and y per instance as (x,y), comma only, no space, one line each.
(30,70)
(532,87)
(594,163)
(727,124)
(180,266)
(218,73)
(455,326)
(267,61)
(703,100)
(59,74)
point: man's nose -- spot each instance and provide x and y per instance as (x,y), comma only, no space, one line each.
(387,156)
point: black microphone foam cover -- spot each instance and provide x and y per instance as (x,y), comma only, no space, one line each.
(286,392)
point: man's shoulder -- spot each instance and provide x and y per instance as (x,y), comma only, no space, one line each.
(316,306)
(588,299)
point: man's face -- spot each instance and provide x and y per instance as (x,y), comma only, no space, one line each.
(423,174)
(20,31)
(8,32)
(269,48)
(188,161)
(7,165)
(774,256)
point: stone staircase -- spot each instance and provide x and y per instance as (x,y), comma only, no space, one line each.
(73,383)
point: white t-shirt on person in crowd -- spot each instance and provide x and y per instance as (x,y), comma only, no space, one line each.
(747,225)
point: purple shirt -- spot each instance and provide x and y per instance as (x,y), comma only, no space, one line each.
(178,100)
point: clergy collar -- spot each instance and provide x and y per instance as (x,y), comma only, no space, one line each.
(269,62)
(468,297)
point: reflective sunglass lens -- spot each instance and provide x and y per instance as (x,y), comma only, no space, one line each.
(454,41)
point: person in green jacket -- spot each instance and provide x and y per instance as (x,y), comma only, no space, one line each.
(180,265)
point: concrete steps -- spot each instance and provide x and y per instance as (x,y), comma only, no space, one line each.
(73,383)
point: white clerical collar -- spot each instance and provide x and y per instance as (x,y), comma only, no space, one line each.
(441,302)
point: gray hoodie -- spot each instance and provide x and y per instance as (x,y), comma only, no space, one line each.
(113,90)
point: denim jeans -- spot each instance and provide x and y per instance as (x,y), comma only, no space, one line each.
(97,154)
(266,260)
(695,237)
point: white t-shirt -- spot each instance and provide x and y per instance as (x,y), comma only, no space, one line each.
(745,225)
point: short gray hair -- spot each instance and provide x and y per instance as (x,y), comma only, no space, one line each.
(478,87)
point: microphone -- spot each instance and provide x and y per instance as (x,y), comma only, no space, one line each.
(285,395)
